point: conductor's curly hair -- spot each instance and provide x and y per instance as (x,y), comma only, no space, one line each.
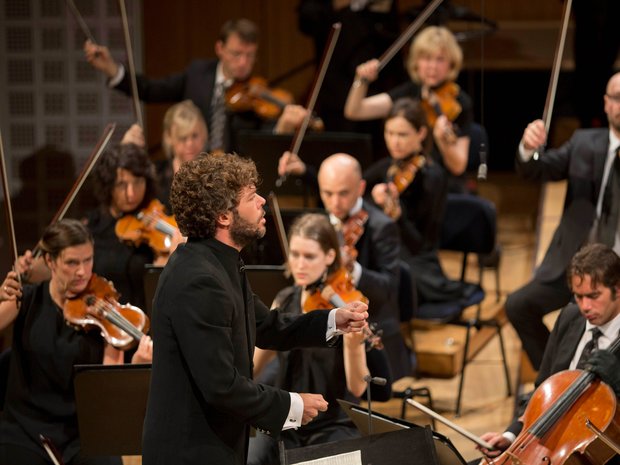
(207,187)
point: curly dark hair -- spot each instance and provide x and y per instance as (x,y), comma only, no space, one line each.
(207,187)
(599,262)
(129,157)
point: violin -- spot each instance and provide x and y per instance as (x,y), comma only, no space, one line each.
(254,95)
(97,307)
(401,174)
(442,101)
(352,230)
(149,226)
(336,291)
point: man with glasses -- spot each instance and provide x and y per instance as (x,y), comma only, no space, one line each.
(205,83)
(590,163)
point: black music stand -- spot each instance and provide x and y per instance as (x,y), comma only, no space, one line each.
(266,149)
(393,448)
(111,404)
(445,450)
(267,281)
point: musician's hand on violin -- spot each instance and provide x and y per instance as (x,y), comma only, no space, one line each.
(497,440)
(443,130)
(534,135)
(134,135)
(368,71)
(607,367)
(100,58)
(313,404)
(290,119)
(290,163)
(10,290)
(352,317)
(144,353)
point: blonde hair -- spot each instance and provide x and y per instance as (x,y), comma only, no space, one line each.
(432,40)
(184,116)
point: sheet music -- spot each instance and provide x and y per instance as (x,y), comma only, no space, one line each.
(348,458)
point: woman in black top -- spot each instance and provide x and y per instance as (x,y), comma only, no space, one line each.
(314,258)
(40,398)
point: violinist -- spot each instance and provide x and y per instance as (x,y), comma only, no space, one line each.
(204,82)
(40,397)
(582,334)
(434,62)
(411,187)
(372,252)
(185,136)
(314,262)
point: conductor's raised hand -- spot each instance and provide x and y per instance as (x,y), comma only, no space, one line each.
(313,404)
(352,317)
(534,135)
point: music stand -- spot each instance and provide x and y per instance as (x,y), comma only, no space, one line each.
(267,281)
(111,405)
(393,448)
(446,452)
(266,149)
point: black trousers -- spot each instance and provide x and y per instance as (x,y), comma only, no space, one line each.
(526,308)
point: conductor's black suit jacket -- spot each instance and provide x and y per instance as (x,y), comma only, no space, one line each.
(581,162)
(202,399)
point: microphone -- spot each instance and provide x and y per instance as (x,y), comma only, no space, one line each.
(375,380)
(482,168)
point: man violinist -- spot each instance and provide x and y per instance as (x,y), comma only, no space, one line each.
(376,268)
(204,82)
(583,331)
(207,321)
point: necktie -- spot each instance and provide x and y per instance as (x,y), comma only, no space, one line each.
(608,223)
(218,119)
(590,347)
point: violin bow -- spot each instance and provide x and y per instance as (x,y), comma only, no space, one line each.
(277,215)
(79,182)
(51,450)
(80,21)
(316,87)
(7,207)
(408,33)
(555,72)
(131,64)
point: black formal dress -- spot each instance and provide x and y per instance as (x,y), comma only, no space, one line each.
(206,323)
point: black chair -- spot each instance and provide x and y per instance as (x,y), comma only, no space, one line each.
(469,227)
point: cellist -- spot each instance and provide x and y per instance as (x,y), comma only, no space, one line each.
(583,330)
(40,397)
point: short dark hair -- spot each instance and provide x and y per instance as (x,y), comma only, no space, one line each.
(599,262)
(207,187)
(129,157)
(62,234)
(316,226)
(244,28)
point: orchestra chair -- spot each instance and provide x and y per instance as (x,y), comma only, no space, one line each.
(471,229)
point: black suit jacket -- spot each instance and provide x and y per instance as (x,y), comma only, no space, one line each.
(196,83)
(202,399)
(378,251)
(581,162)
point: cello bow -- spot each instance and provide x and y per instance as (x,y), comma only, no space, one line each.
(316,87)
(408,33)
(131,65)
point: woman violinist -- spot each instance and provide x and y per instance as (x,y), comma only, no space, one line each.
(313,260)
(434,63)
(584,340)
(411,188)
(40,397)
